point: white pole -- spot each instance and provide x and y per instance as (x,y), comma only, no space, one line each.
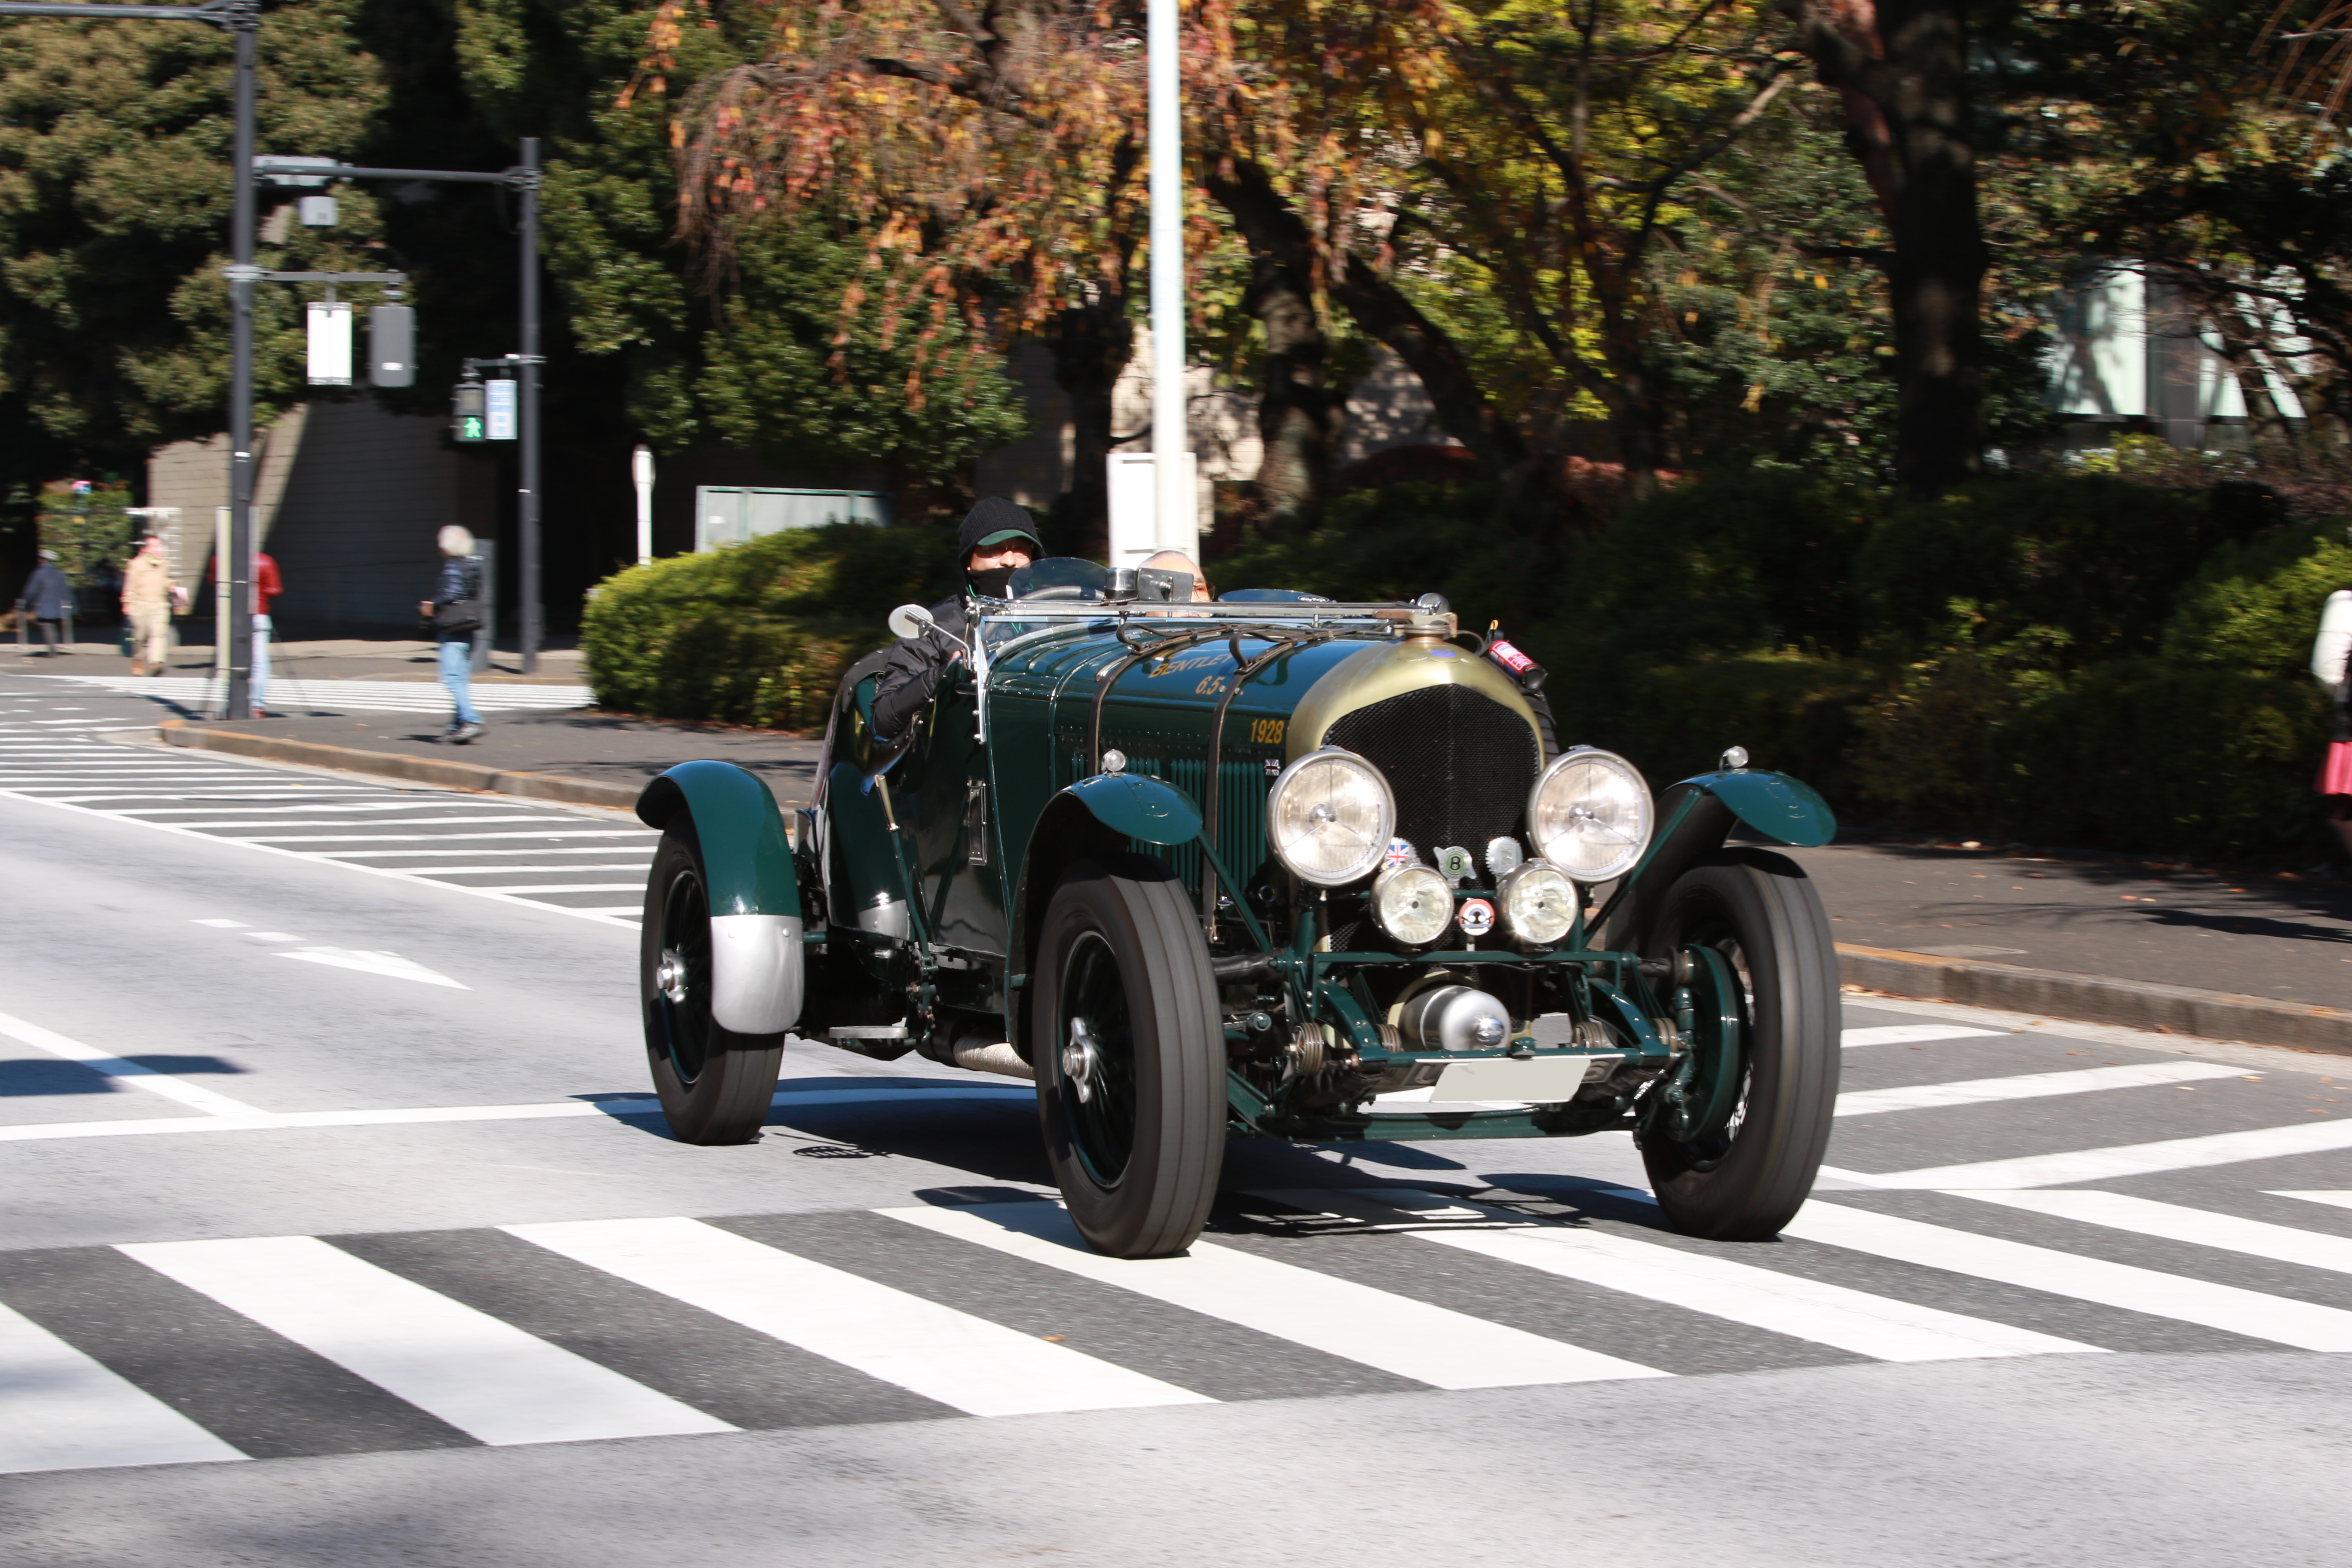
(641,469)
(1176,508)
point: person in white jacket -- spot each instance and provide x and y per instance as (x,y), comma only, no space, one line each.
(2329,653)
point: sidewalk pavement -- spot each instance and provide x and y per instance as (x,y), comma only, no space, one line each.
(340,659)
(2142,943)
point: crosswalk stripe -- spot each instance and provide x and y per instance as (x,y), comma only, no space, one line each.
(2339,1200)
(1876,1326)
(60,1410)
(2120,1285)
(2173,1222)
(2028,1086)
(1911,1034)
(428,874)
(483,1376)
(2123,1159)
(1413,1338)
(968,1362)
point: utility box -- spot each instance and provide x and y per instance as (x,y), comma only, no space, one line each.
(1135,530)
(730,515)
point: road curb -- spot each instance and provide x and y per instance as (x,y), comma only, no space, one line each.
(2097,999)
(448,773)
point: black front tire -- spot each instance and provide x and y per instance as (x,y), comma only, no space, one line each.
(1763,915)
(1138,1155)
(714,1084)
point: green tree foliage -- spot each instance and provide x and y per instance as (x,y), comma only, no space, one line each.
(114,203)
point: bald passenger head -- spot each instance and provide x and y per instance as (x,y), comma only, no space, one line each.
(1177,561)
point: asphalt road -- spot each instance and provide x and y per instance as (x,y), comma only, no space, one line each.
(339,1230)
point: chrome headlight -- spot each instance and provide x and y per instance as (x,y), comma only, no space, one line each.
(1539,901)
(1590,814)
(1413,904)
(1330,815)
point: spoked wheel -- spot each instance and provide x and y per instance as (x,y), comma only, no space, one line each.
(714,1084)
(1733,1139)
(1130,1049)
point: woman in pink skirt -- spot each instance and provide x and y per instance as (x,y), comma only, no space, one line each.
(2329,654)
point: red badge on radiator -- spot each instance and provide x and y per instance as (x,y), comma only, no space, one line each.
(1475,917)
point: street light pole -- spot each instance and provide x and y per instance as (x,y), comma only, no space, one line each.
(237,570)
(527,502)
(1175,506)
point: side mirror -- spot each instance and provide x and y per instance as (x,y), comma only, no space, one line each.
(909,621)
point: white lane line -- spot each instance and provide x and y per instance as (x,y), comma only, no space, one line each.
(222,925)
(2124,1159)
(405,1116)
(381,822)
(601,917)
(427,874)
(368,962)
(60,1410)
(634,913)
(1876,1326)
(2172,1222)
(1413,1339)
(1911,1034)
(485,1377)
(2157,1294)
(526,871)
(2029,1086)
(2338,1200)
(266,840)
(967,1363)
(476,854)
(194,1096)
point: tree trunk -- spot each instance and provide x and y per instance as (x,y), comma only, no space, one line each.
(1091,344)
(1300,419)
(1271,228)
(1901,66)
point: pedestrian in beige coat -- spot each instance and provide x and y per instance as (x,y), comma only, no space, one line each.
(147,596)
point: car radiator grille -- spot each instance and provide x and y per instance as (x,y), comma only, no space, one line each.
(1461,764)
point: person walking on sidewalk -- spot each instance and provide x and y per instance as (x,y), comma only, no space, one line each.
(48,598)
(454,612)
(2330,653)
(266,586)
(149,596)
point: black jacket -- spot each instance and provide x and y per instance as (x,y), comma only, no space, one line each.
(911,676)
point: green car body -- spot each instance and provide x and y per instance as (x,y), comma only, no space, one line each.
(1079,733)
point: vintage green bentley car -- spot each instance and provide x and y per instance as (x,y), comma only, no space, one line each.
(1268,867)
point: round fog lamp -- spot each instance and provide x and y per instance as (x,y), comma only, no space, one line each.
(1329,817)
(1413,904)
(1539,902)
(1590,814)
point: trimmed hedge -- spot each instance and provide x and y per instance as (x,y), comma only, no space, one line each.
(756,633)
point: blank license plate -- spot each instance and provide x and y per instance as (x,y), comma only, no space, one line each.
(1537,1081)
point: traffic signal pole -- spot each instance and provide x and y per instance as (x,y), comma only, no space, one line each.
(238,568)
(524,179)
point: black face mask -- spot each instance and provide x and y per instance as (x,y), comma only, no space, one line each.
(993,583)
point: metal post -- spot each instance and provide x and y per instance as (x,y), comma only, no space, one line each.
(1176,508)
(238,568)
(527,519)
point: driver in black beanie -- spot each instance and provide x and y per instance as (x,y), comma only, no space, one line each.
(997,540)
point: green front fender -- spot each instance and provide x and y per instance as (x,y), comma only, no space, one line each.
(1694,817)
(747,856)
(757,969)
(1138,807)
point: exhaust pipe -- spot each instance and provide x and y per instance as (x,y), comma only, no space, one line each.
(976,1052)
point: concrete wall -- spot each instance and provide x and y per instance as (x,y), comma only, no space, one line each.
(349,499)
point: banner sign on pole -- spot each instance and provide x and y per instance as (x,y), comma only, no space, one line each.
(502,417)
(329,323)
